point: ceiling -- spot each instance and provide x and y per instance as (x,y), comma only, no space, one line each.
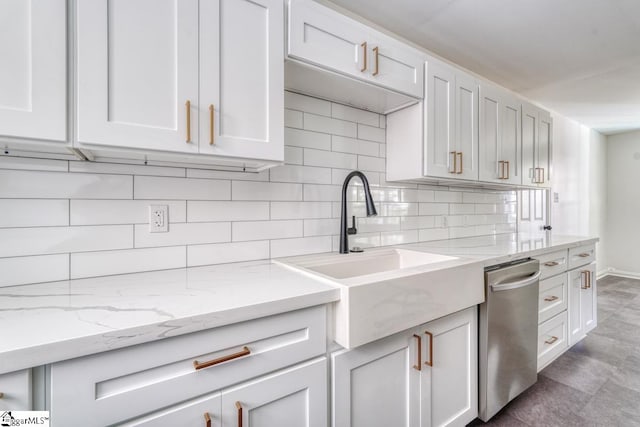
(580,58)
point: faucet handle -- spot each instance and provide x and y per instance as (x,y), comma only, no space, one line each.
(352,229)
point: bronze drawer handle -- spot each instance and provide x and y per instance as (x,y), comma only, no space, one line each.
(1,395)
(551,264)
(239,408)
(244,352)
(551,298)
(207,419)
(430,361)
(419,365)
(551,340)
(584,255)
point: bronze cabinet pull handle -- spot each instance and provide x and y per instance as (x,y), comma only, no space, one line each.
(364,57)
(207,419)
(551,340)
(377,51)
(212,124)
(584,284)
(239,408)
(584,254)
(501,167)
(419,365)
(1,395)
(460,154)
(508,170)
(201,365)
(588,279)
(455,162)
(551,298)
(551,263)
(430,361)
(188,106)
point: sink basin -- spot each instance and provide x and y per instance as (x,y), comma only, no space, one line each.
(354,265)
(384,291)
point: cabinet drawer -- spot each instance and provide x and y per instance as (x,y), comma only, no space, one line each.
(552,264)
(15,388)
(100,388)
(582,255)
(552,339)
(553,297)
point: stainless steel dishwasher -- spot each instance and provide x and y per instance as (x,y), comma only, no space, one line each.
(508,334)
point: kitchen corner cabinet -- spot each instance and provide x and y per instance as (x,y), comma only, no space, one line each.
(194,77)
(537,132)
(33,75)
(426,376)
(499,136)
(325,38)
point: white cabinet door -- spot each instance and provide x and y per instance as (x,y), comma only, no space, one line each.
(295,397)
(16,391)
(137,68)
(241,78)
(582,302)
(440,152)
(377,384)
(450,386)
(499,136)
(323,37)
(530,125)
(395,65)
(543,154)
(466,125)
(33,79)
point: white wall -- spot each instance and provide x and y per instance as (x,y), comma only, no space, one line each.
(68,219)
(623,188)
(580,180)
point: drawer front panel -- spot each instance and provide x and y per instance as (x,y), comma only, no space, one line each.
(582,255)
(552,264)
(16,391)
(553,297)
(100,388)
(552,339)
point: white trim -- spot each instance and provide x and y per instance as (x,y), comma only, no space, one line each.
(615,272)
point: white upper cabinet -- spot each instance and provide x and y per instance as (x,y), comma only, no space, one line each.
(137,78)
(499,136)
(537,131)
(33,79)
(197,77)
(242,78)
(466,125)
(325,38)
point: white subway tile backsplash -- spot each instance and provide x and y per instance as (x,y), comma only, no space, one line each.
(302,246)
(300,210)
(236,176)
(307,139)
(105,263)
(329,125)
(183,234)
(293,118)
(53,240)
(202,211)
(95,219)
(263,230)
(244,190)
(28,163)
(125,169)
(329,159)
(147,187)
(33,212)
(96,212)
(309,104)
(371,133)
(375,164)
(293,155)
(34,269)
(305,174)
(339,111)
(59,185)
(221,253)
(322,227)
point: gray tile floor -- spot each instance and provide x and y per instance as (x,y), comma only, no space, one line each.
(596,382)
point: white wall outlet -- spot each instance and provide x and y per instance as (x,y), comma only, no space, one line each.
(556,198)
(158,218)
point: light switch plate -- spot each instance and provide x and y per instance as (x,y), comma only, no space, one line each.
(158,218)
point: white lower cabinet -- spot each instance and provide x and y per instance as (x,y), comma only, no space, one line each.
(15,391)
(582,302)
(552,339)
(426,376)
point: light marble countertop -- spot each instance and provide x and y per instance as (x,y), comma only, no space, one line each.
(49,322)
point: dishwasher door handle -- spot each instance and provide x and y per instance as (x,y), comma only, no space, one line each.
(518,284)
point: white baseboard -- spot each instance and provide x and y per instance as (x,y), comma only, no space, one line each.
(615,272)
